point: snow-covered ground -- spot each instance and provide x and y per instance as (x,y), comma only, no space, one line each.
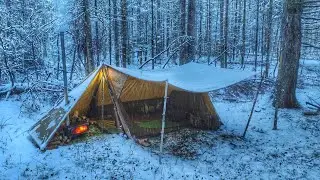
(292,152)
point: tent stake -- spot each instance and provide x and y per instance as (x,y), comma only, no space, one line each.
(164,115)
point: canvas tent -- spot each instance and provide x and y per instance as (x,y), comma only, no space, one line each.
(135,99)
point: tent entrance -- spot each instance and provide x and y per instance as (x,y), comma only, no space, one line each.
(104,118)
(101,113)
(94,109)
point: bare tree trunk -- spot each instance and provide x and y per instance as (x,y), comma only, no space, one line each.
(256,36)
(209,31)
(110,33)
(243,49)
(221,43)
(64,65)
(158,29)
(187,27)
(97,41)
(262,46)
(146,37)
(290,54)
(191,30)
(116,33)
(73,62)
(152,33)
(88,52)
(225,33)
(183,30)
(268,36)
(124,32)
(200,35)
(58,64)
(235,29)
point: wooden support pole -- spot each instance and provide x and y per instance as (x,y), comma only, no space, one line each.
(65,79)
(119,109)
(102,106)
(254,104)
(164,115)
(63,53)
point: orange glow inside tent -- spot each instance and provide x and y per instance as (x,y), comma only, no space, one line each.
(80,130)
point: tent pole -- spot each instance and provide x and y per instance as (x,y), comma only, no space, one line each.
(65,79)
(164,115)
(121,117)
(254,104)
(102,106)
(64,68)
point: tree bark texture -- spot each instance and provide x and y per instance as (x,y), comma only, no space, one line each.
(290,55)
(88,51)
(124,32)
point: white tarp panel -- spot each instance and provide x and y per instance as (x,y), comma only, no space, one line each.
(192,77)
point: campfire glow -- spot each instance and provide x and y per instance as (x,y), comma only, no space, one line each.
(80,129)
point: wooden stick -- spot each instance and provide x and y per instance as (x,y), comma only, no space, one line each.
(65,78)
(254,104)
(164,115)
(113,102)
(275,120)
(64,68)
(102,106)
(276,105)
(121,116)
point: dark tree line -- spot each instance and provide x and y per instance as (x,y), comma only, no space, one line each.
(223,31)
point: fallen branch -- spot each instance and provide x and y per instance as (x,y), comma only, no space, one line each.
(3,124)
(311,113)
(175,51)
(165,64)
(310,45)
(184,38)
(313,105)
(38,87)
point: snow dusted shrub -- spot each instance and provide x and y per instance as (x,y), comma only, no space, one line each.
(33,101)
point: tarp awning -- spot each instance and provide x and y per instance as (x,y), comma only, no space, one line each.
(192,77)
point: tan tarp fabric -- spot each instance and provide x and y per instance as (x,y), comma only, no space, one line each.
(103,96)
(83,105)
(133,89)
(208,103)
(117,80)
